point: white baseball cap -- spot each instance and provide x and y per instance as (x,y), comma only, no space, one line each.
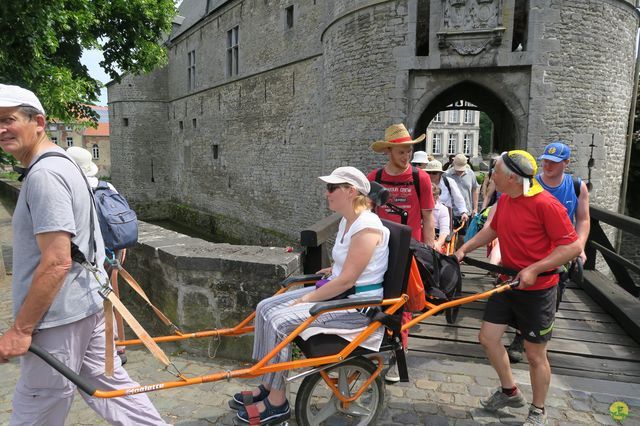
(12,96)
(349,175)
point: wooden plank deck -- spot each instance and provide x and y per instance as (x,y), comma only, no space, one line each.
(587,342)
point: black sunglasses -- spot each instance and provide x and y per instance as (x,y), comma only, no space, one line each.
(331,187)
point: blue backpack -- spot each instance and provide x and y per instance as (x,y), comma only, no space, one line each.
(118,222)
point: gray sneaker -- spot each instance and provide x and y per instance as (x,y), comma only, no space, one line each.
(392,375)
(536,417)
(516,349)
(500,400)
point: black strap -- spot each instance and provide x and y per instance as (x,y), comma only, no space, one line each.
(503,270)
(415,176)
(577,185)
(448,185)
(393,322)
(76,254)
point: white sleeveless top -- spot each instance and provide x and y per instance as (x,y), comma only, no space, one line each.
(374,272)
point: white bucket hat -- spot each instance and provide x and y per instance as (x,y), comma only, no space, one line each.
(84,159)
(420,157)
(349,175)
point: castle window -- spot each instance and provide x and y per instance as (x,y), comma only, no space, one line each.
(289,17)
(95,150)
(191,69)
(69,141)
(232,52)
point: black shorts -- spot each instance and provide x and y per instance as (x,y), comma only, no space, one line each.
(531,312)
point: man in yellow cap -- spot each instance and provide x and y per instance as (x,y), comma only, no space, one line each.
(536,236)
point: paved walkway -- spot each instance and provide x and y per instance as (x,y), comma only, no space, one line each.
(442,390)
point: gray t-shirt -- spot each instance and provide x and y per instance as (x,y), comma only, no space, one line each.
(54,197)
(467,183)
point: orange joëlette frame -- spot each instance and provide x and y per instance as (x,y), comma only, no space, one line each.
(261,367)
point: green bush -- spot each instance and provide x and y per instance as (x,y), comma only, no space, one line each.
(9,175)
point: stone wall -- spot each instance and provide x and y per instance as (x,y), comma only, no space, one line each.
(583,87)
(202,286)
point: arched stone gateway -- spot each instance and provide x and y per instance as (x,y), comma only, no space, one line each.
(507,114)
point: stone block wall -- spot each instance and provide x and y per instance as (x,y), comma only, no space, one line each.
(203,286)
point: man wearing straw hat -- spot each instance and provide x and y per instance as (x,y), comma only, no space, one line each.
(535,236)
(410,189)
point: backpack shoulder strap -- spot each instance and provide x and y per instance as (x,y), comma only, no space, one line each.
(42,157)
(76,254)
(416,180)
(577,185)
(102,185)
(379,175)
(447,184)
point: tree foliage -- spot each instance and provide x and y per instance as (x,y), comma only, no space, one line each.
(42,41)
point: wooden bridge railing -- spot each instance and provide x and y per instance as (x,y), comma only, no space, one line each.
(598,241)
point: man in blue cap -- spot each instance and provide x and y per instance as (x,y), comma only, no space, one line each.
(572,192)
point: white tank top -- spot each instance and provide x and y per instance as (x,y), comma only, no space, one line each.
(374,272)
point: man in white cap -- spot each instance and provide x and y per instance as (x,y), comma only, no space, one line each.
(450,194)
(536,237)
(56,303)
(462,174)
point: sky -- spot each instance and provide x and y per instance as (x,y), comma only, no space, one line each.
(91,58)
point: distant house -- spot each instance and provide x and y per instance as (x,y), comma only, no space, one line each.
(95,140)
(454,131)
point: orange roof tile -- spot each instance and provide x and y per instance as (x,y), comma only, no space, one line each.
(101,130)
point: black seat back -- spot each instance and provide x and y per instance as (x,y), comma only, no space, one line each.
(397,275)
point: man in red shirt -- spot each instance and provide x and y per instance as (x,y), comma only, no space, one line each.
(410,189)
(412,195)
(535,236)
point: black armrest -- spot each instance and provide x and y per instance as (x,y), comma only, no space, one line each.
(300,278)
(331,305)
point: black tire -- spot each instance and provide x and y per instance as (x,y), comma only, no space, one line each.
(452,314)
(314,391)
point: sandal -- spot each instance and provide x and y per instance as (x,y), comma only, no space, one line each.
(270,416)
(244,398)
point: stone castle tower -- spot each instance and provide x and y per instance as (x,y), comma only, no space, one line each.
(260,97)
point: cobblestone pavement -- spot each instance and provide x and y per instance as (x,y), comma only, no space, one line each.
(441,391)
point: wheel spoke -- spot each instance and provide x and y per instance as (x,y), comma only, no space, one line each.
(329,409)
(357,409)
